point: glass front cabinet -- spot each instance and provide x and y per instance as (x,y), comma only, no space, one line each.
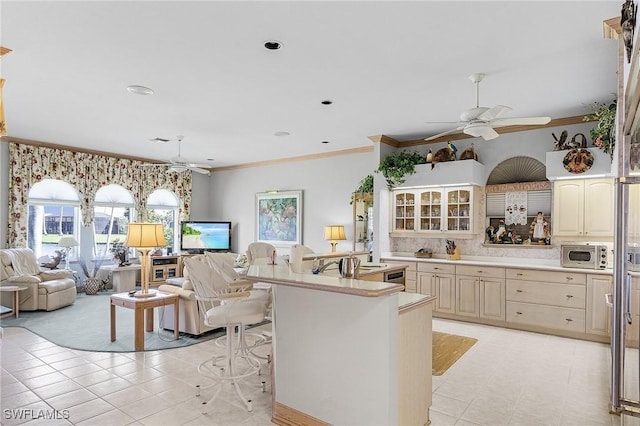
(434,210)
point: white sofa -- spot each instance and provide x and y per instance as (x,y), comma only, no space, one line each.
(191,320)
(46,289)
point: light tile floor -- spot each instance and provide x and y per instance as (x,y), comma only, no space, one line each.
(507,378)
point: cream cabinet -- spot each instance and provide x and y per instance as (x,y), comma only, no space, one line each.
(546,299)
(439,279)
(163,268)
(633,329)
(598,313)
(583,208)
(434,210)
(480,292)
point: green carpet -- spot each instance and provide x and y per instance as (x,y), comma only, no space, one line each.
(85,326)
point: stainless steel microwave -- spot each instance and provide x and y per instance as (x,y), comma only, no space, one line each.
(586,256)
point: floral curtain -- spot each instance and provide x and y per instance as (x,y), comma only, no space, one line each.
(29,164)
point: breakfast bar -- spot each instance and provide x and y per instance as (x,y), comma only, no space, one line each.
(347,351)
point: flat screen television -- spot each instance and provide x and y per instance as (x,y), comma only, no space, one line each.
(199,236)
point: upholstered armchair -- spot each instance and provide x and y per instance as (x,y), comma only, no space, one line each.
(46,289)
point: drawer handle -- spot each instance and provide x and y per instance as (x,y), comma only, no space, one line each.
(519,274)
(569,278)
(436,268)
(480,272)
(569,319)
(519,291)
(569,296)
(519,313)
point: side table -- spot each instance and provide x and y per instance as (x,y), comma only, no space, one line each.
(142,306)
(16,299)
(123,277)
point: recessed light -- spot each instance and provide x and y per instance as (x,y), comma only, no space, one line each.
(325,141)
(140,90)
(281,133)
(273,45)
(210,159)
(327,102)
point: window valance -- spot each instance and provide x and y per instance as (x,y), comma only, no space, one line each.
(87,173)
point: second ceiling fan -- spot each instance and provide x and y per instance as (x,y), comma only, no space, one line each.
(481,121)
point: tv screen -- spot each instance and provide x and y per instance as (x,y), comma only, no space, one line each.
(201,236)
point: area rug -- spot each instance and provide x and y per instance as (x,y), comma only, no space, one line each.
(85,325)
(447,349)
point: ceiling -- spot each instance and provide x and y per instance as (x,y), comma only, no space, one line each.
(388,67)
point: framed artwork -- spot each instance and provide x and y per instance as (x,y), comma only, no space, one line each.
(279,217)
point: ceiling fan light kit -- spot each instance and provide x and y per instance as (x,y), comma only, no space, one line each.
(180,164)
(481,121)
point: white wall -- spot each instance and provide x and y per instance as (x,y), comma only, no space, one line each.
(327,184)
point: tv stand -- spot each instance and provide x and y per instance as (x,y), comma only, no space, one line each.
(162,268)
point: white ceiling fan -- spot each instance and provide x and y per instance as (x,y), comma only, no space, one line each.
(180,164)
(481,121)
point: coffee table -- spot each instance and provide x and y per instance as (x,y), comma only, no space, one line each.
(16,300)
(142,305)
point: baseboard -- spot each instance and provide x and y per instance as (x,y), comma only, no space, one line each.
(287,416)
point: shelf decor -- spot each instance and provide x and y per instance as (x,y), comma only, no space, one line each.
(604,134)
(279,217)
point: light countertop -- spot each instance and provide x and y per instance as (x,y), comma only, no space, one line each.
(505,262)
(281,274)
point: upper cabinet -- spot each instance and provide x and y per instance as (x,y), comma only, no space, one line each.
(362,223)
(583,208)
(434,210)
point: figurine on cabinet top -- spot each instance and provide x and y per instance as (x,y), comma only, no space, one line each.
(539,230)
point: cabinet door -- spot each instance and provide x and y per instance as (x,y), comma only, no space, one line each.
(459,211)
(598,207)
(598,313)
(467,296)
(404,211)
(430,210)
(568,208)
(492,298)
(443,286)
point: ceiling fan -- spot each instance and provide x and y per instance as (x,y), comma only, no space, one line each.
(481,121)
(180,164)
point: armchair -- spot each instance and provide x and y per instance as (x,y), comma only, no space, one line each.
(46,290)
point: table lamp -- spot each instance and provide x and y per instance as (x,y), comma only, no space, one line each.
(334,233)
(68,242)
(144,237)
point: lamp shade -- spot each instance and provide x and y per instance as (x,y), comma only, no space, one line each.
(67,241)
(145,235)
(334,232)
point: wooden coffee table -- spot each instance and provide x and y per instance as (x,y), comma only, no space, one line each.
(140,305)
(16,299)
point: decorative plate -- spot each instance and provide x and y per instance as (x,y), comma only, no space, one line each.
(578,160)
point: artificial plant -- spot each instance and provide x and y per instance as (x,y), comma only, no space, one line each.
(604,134)
(396,165)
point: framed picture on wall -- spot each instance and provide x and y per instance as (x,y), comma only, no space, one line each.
(279,217)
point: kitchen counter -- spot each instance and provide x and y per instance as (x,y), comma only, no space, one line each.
(505,262)
(351,328)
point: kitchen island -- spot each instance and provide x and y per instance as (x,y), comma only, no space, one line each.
(347,351)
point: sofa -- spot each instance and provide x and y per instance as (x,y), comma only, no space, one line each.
(47,290)
(191,320)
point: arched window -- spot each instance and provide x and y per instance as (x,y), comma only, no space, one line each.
(113,209)
(53,211)
(163,207)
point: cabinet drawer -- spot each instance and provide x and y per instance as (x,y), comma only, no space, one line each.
(443,268)
(565,319)
(411,266)
(480,271)
(546,276)
(563,295)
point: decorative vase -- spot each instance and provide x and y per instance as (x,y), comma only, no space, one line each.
(91,285)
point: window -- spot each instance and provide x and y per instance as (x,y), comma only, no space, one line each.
(53,211)
(114,209)
(163,206)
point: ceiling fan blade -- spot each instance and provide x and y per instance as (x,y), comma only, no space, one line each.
(520,121)
(156,164)
(199,170)
(198,165)
(448,132)
(481,130)
(494,112)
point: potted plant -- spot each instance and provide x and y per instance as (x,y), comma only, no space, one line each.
(91,283)
(604,134)
(398,164)
(365,187)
